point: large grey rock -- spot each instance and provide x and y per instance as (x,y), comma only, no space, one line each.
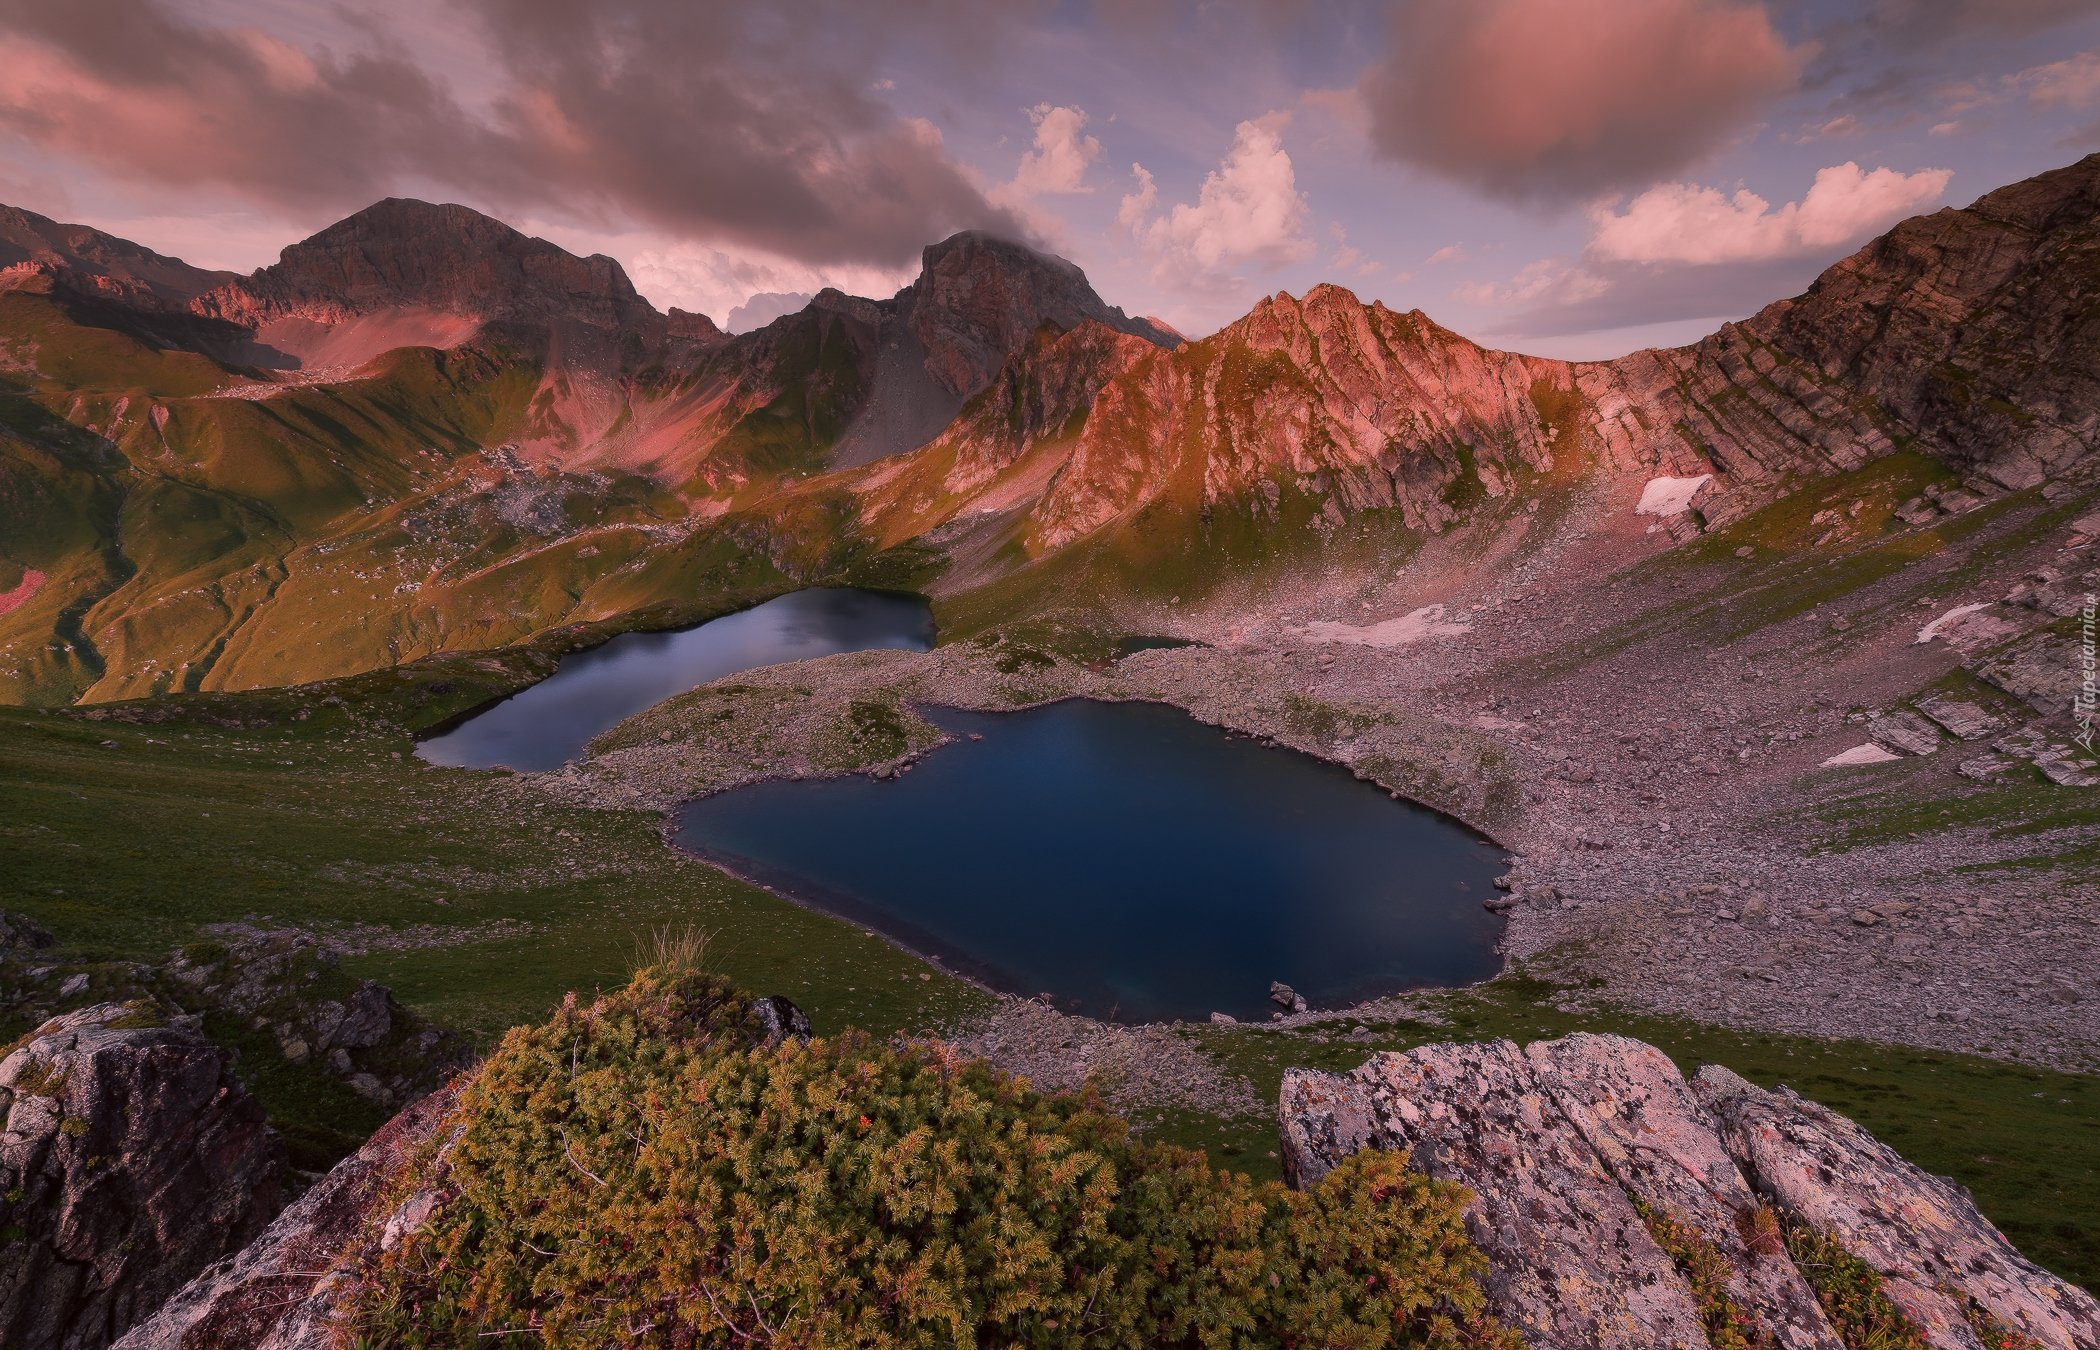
(1922,1232)
(1571,1263)
(1970,721)
(1628,1101)
(131,1159)
(1558,1141)
(1905,731)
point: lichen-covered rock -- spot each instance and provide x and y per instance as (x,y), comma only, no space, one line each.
(131,1159)
(287,1290)
(1571,1147)
(1628,1101)
(1572,1263)
(1920,1231)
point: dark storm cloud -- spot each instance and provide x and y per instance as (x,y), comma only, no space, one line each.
(1558,100)
(1926,23)
(758,125)
(124,83)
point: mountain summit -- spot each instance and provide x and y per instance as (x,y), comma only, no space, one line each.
(995,414)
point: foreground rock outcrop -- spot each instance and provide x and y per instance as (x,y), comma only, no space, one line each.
(131,1160)
(296,1285)
(284,1290)
(1596,1168)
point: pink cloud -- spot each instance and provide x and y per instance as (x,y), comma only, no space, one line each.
(1249,211)
(1689,223)
(1543,99)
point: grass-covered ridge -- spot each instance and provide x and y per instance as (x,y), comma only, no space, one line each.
(648,1167)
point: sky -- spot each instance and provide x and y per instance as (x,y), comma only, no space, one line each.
(1574,178)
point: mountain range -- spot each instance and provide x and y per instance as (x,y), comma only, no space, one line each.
(422,431)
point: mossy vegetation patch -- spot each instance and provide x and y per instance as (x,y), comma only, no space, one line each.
(646,1166)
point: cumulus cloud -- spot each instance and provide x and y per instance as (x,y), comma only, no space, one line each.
(1248,212)
(764,307)
(1058,161)
(1689,223)
(1686,251)
(1556,100)
(2070,83)
(745,124)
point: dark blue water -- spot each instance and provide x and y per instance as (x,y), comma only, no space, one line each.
(547,725)
(1130,861)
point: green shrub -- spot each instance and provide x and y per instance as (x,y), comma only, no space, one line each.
(1994,1334)
(1729,1326)
(1850,1291)
(638,1171)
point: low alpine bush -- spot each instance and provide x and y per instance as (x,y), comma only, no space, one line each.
(645,1170)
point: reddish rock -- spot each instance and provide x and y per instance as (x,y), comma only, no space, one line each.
(1558,1141)
(1920,1231)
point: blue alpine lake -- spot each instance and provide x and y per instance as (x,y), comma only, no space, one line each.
(1128,861)
(548,724)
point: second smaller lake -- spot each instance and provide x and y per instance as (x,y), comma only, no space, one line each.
(547,725)
(1128,860)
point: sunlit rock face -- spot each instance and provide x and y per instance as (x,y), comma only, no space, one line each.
(1576,1150)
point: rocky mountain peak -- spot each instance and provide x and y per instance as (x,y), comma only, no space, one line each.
(980,298)
(86,260)
(401,253)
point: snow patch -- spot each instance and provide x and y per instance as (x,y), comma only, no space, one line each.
(1869,753)
(1668,496)
(1426,622)
(1932,630)
(21,591)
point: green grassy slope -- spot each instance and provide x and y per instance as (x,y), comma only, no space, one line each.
(124,838)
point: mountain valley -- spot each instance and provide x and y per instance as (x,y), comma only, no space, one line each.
(1762,657)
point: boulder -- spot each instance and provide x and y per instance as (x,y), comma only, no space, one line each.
(1572,1148)
(1969,721)
(1922,1232)
(130,1161)
(1572,1263)
(20,933)
(779,1019)
(1905,731)
(1285,997)
(289,1289)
